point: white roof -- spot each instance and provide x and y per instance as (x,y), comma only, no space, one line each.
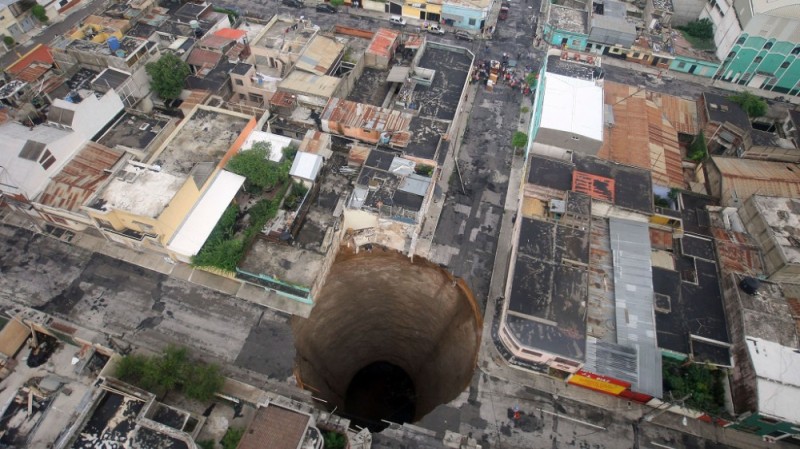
(278,143)
(306,165)
(19,175)
(196,228)
(778,381)
(573,105)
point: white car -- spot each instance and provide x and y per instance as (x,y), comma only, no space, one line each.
(435,29)
(397,21)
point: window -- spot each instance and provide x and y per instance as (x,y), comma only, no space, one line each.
(785,65)
(256,98)
(47,159)
(576,43)
(758,59)
(472,22)
(636,55)
(768,45)
(796,51)
(741,40)
(239,82)
(681,65)
(105,224)
(731,54)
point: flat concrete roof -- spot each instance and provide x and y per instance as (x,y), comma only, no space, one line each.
(568,19)
(146,191)
(783,218)
(546,309)
(133,131)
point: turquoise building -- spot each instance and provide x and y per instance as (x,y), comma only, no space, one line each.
(566,28)
(467,15)
(694,66)
(770,64)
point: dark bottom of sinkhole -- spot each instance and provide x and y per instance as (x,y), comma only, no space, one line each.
(380,392)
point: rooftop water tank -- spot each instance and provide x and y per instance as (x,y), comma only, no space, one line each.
(194,24)
(113,43)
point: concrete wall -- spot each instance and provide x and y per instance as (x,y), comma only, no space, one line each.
(742,377)
(726,27)
(565,140)
(685,11)
(465,15)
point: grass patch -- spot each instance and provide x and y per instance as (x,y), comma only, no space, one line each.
(699,43)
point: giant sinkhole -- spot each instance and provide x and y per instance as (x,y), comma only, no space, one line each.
(389,339)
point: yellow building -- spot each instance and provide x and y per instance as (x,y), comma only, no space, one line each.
(172,202)
(426,10)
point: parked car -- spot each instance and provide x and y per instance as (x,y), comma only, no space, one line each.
(503,13)
(293,3)
(464,36)
(326,8)
(435,29)
(397,21)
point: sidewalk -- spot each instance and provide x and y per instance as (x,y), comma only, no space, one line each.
(178,270)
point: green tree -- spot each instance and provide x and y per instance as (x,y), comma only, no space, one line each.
(698,149)
(38,11)
(753,105)
(519,140)
(336,3)
(8,40)
(254,164)
(334,440)
(203,382)
(168,75)
(232,437)
(701,28)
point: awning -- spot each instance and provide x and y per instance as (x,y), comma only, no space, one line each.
(398,74)
(198,225)
(12,337)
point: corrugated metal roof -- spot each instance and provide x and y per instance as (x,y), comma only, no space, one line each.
(304,83)
(320,55)
(633,291)
(743,178)
(40,53)
(360,115)
(201,57)
(642,135)
(416,184)
(79,179)
(383,42)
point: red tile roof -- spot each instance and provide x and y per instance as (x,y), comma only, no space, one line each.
(230,33)
(275,427)
(40,54)
(79,179)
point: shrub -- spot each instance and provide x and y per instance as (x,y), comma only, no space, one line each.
(168,75)
(698,149)
(701,28)
(753,105)
(232,437)
(519,140)
(39,12)
(8,40)
(424,170)
(334,440)
(171,371)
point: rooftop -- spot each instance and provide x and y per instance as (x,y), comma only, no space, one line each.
(783,218)
(276,427)
(573,105)
(146,190)
(770,314)
(641,135)
(320,55)
(285,35)
(568,19)
(546,309)
(30,66)
(688,302)
(720,109)
(632,185)
(777,381)
(304,83)
(567,68)
(135,131)
(388,185)
(383,42)
(364,116)
(747,177)
(79,179)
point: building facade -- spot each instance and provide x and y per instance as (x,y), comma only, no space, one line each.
(465,14)
(758,42)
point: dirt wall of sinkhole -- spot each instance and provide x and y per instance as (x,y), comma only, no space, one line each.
(379,306)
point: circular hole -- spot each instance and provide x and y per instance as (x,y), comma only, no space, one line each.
(388,339)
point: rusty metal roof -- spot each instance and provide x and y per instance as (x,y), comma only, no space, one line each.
(79,179)
(383,42)
(747,177)
(642,136)
(365,116)
(595,186)
(203,58)
(40,54)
